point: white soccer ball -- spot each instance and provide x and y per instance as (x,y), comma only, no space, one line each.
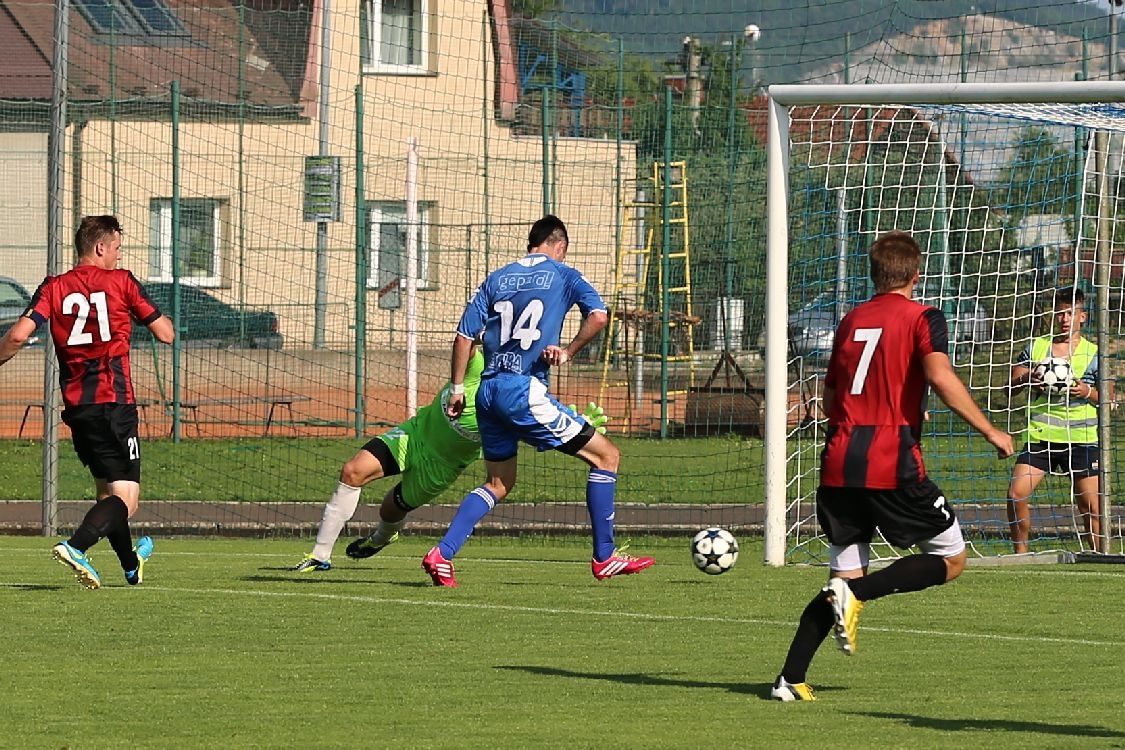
(714,550)
(1055,374)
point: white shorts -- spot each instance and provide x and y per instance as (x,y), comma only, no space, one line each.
(948,543)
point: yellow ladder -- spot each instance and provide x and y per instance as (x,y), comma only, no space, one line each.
(631,324)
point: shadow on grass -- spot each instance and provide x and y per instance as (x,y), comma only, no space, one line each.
(317,579)
(34,586)
(994,725)
(761,689)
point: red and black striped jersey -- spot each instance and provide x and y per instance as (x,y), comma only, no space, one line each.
(875,371)
(91,312)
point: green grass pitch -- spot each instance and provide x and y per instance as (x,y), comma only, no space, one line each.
(222,647)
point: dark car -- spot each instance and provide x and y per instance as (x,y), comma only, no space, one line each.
(205,321)
(14,299)
(812,329)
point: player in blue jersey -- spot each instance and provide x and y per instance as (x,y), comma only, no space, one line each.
(520,308)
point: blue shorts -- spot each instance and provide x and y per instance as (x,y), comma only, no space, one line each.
(511,408)
(1076,459)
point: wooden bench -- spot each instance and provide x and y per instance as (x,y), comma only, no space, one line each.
(193,405)
(29,405)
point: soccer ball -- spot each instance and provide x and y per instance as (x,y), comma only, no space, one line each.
(714,550)
(1055,374)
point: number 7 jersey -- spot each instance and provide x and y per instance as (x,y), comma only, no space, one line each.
(521,308)
(91,312)
(875,419)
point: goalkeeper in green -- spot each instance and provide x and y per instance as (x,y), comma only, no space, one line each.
(429,451)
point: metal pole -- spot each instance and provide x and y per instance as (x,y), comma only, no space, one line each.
(665,261)
(544,113)
(361,265)
(841,251)
(177,344)
(486,118)
(56,137)
(728,245)
(1102,253)
(321,301)
(411,276)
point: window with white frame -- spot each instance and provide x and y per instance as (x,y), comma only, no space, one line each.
(395,36)
(387,233)
(200,255)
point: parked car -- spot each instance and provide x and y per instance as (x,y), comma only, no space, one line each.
(969,323)
(812,329)
(14,299)
(205,321)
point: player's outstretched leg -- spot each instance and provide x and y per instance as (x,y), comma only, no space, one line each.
(143,549)
(78,562)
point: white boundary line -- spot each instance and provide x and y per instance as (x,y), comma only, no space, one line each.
(599,613)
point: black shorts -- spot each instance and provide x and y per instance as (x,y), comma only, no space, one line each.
(106,439)
(905,516)
(1079,460)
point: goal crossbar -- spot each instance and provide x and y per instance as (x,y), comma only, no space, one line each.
(1072,92)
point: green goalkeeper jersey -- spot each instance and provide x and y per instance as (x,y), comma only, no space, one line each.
(454,440)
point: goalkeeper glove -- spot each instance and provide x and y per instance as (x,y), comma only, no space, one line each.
(594,414)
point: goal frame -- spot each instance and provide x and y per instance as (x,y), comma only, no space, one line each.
(781,99)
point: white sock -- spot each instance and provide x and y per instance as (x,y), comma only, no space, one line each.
(385,530)
(339,510)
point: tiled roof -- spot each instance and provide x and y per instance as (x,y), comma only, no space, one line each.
(273,37)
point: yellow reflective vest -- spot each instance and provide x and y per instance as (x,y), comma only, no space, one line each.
(1058,419)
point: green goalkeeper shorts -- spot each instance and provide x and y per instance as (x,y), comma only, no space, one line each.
(425,474)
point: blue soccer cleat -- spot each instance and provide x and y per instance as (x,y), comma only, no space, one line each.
(143,548)
(79,563)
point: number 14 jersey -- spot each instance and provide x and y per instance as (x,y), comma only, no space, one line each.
(520,308)
(875,419)
(91,312)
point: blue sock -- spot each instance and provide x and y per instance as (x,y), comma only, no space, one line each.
(474,507)
(601,487)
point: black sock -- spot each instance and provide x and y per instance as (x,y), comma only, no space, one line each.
(100,522)
(121,539)
(816,621)
(912,573)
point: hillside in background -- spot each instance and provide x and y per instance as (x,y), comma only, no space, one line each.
(805,41)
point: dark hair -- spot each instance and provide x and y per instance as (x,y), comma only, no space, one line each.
(894,258)
(93,230)
(548,228)
(1069,296)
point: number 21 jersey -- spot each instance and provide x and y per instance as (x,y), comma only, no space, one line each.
(875,419)
(91,312)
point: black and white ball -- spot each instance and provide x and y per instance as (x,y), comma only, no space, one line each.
(1054,373)
(714,550)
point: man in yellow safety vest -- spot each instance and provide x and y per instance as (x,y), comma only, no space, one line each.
(1062,429)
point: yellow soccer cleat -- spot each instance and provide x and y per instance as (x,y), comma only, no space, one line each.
(845,609)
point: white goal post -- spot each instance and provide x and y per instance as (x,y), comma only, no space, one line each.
(1094,109)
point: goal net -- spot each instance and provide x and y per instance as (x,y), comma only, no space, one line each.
(1010,190)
